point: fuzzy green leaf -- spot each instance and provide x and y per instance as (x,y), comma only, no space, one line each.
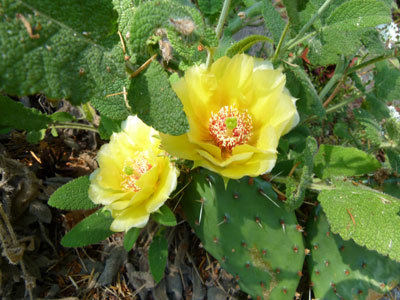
(107,127)
(130,238)
(293,8)
(245,44)
(273,20)
(90,230)
(295,196)
(16,115)
(387,81)
(125,9)
(333,161)
(354,271)
(343,30)
(371,127)
(170,17)
(301,87)
(210,7)
(394,160)
(73,52)
(164,216)
(369,217)
(73,195)
(62,116)
(158,254)
(156,103)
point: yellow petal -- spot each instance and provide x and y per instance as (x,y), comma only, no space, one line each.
(124,220)
(179,146)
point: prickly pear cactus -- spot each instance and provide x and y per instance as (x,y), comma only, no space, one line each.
(243,227)
(344,270)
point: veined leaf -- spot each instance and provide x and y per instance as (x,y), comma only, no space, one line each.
(273,21)
(16,115)
(156,103)
(64,51)
(369,217)
(332,161)
(73,195)
(158,254)
(90,230)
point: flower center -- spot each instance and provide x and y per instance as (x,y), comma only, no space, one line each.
(230,127)
(132,171)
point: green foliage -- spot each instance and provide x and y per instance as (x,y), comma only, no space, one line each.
(153,18)
(16,115)
(273,20)
(113,106)
(332,161)
(344,270)
(293,8)
(107,127)
(371,129)
(295,195)
(164,216)
(130,238)
(158,255)
(72,53)
(301,87)
(341,33)
(62,116)
(368,217)
(125,9)
(73,195)
(243,227)
(156,103)
(245,44)
(210,7)
(394,160)
(387,81)
(90,230)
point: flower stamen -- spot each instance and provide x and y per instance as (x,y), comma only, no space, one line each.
(132,171)
(230,127)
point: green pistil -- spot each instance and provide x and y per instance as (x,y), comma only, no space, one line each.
(231,123)
(128,170)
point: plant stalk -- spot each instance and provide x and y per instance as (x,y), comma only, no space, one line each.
(299,37)
(71,125)
(218,30)
(282,38)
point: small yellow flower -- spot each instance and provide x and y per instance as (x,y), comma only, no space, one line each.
(237,111)
(135,177)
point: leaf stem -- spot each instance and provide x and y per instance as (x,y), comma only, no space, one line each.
(316,185)
(370,62)
(278,48)
(299,37)
(218,30)
(341,104)
(71,125)
(339,71)
(222,18)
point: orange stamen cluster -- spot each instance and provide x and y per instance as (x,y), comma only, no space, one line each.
(225,137)
(133,170)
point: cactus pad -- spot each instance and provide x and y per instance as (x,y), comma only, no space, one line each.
(344,270)
(243,227)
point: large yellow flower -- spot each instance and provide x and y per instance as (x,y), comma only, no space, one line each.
(135,177)
(237,111)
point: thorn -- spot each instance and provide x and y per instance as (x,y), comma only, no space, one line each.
(223,259)
(283,225)
(237,277)
(233,250)
(235,196)
(317,272)
(244,245)
(262,284)
(144,66)
(284,291)
(364,265)
(347,272)
(264,252)
(247,265)
(341,248)
(315,247)
(299,273)
(215,240)
(296,249)
(261,191)
(307,251)
(201,208)
(328,233)
(251,181)
(326,263)
(259,222)
(299,228)
(224,220)
(277,270)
